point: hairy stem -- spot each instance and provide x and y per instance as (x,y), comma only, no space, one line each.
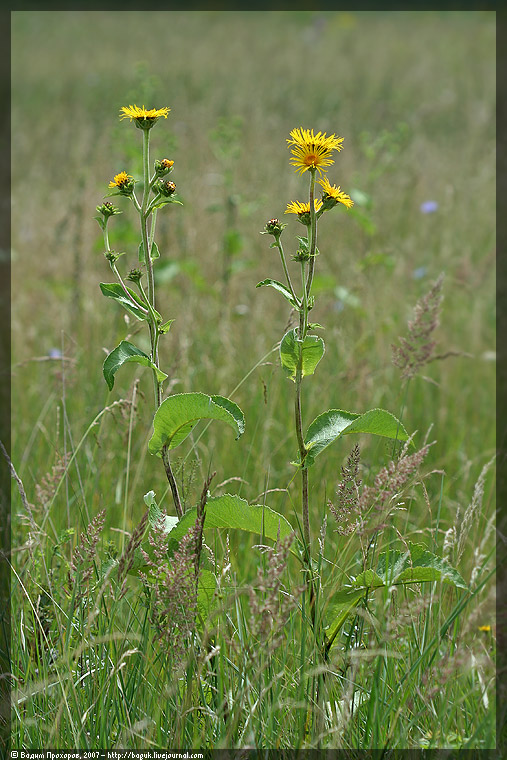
(154,331)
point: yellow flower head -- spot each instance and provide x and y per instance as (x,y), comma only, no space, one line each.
(144,118)
(334,193)
(312,151)
(296,207)
(485,628)
(121,180)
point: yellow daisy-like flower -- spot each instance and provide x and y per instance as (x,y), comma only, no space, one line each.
(120,180)
(331,191)
(312,151)
(485,628)
(134,112)
(296,207)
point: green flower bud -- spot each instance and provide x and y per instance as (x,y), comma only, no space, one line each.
(112,257)
(163,167)
(274,227)
(164,187)
(107,209)
(134,275)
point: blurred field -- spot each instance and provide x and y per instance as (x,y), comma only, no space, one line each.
(412,93)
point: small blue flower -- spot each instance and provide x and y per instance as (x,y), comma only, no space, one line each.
(55,353)
(419,273)
(428,207)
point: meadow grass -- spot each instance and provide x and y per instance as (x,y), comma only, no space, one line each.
(413,95)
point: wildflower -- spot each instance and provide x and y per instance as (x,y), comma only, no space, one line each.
(124,182)
(165,188)
(416,350)
(134,275)
(333,195)
(143,117)
(428,207)
(163,167)
(303,210)
(485,628)
(312,151)
(107,209)
(274,227)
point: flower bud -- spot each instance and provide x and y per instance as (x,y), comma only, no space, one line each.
(164,187)
(134,275)
(112,257)
(163,167)
(274,227)
(301,254)
(107,209)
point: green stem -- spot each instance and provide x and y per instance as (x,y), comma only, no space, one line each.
(313,234)
(286,271)
(154,333)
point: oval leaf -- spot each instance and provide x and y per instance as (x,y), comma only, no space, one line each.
(417,565)
(127,352)
(135,306)
(330,425)
(312,349)
(179,414)
(233,512)
(281,289)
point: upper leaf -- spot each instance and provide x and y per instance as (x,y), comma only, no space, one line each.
(136,308)
(179,414)
(281,289)
(127,352)
(311,349)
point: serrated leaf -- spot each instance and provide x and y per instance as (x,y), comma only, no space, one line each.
(417,565)
(281,289)
(123,353)
(329,426)
(234,513)
(312,350)
(115,291)
(179,414)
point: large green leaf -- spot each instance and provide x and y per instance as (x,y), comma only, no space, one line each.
(312,349)
(127,352)
(281,289)
(233,512)
(133,305)
(329,426)
(179,414)
(395,568)
(417,565)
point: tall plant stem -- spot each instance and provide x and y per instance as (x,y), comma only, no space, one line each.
(154,331)
(303,329)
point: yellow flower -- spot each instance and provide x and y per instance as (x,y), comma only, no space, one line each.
(120,180)
(312,151)
(331,191)
(144,118)
(485,628)
(296,207)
